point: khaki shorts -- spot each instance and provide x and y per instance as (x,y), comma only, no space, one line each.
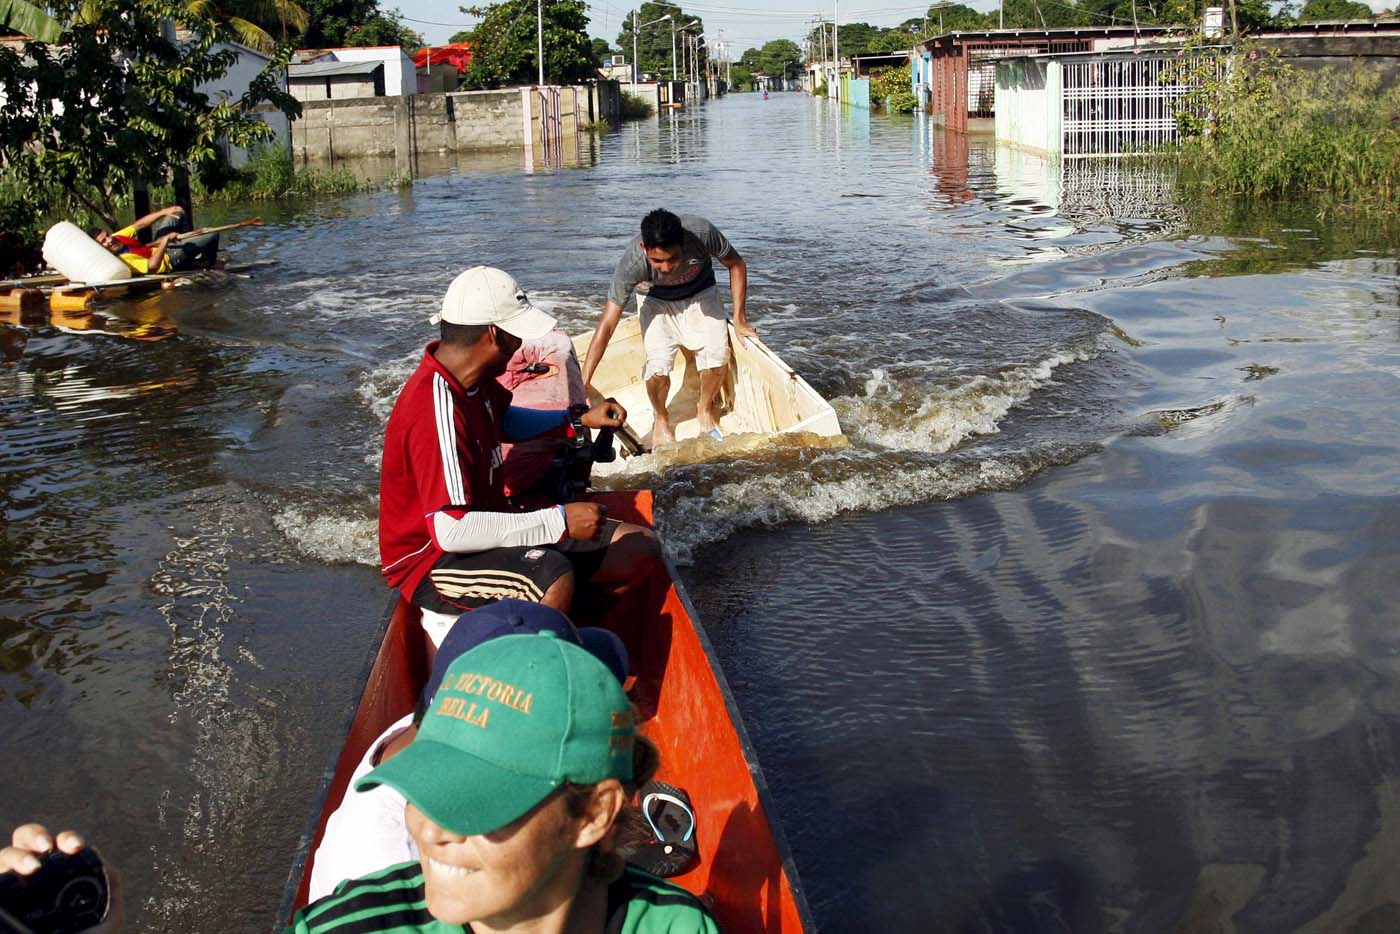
(699,324)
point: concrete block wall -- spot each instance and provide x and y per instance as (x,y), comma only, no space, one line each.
(403,127)
(488,119)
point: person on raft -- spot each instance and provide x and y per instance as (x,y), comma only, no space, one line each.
(669,266)
(164,253)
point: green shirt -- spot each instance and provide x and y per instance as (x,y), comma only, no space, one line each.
(392,902)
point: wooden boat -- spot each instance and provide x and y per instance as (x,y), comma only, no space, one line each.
(745,870)
(761,395)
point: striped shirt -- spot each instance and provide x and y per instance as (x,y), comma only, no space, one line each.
(392,902)
(442,453)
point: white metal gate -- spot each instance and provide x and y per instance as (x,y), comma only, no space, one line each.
(1124,106)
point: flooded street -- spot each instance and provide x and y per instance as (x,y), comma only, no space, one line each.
(1091,627)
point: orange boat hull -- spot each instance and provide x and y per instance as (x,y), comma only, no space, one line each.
(745,872)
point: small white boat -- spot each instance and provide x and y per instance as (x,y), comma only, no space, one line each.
(762,395)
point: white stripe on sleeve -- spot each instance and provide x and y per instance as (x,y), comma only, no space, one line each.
(447,441)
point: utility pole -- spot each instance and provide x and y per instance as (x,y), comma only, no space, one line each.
(636,18)
(836,43)
(539,22)
(674,75)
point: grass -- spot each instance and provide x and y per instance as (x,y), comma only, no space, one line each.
(597,126)
(270,175)
(1275,131)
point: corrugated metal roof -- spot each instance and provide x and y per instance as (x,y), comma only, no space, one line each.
(328,69)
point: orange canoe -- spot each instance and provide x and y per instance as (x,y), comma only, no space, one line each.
(745,873)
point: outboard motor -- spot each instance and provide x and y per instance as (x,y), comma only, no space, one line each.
(572,470)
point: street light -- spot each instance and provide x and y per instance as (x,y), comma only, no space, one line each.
(688,51)
(675,75)
(636,29)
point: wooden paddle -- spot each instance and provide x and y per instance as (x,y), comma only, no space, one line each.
(32,282)
(251,222)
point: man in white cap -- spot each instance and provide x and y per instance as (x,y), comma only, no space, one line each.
(448,538)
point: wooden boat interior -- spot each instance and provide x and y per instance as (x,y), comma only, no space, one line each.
(745,871)
(761,394)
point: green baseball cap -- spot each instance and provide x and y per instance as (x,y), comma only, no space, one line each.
(514,719)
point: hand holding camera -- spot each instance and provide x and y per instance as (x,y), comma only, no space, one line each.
(53,885)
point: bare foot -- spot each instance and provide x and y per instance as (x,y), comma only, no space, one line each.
(706,421)
(661,434)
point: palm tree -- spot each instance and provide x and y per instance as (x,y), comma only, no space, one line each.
(29,19)
(258,24)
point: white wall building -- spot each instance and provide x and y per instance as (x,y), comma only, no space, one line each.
(234,84)
(400,76)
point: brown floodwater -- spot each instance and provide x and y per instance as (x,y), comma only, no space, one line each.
(1091,627)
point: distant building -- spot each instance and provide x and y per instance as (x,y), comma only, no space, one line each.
(234,84)
(954,74)
(441,67)
(615,68)
(399,77)
(333,81)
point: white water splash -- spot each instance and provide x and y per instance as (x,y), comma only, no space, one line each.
(334,539)
(917,417)
(774,499)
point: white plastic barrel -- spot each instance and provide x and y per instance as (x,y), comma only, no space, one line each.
(79,257)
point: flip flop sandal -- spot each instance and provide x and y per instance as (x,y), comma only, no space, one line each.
(673,849)
(715,434)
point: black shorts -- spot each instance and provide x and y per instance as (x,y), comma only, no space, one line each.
(460,582)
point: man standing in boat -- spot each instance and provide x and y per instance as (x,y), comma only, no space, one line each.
(448,538)
(670,267)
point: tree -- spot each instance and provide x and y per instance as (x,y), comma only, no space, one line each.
(654,39)
(29,19)
(776,55)
(855,38)
(385,29)
(602,50)
(959,17)
(893,40)
(114,99)
(1315,10)
(258,24)
(335,23)
(505,44)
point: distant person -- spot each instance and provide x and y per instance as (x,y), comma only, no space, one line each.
(449,540)
(367,831)
(164,254)
(669,265)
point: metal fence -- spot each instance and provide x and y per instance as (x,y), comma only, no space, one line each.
(1125,106)
(982,67)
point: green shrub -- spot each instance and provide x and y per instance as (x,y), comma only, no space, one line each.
(1262,128)
(890,91)
(636,107)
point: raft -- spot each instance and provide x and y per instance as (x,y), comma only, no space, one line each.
(761,394)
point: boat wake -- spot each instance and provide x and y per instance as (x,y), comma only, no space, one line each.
(915,432)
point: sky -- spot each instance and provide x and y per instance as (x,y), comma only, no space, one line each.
(745,24)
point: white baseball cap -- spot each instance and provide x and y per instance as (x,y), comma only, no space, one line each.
(483,295)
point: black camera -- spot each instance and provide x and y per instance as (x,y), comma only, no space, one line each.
(67,894)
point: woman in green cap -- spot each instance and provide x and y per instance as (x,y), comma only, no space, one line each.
(517,785)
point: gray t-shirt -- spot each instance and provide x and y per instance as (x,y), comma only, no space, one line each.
(694,275)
